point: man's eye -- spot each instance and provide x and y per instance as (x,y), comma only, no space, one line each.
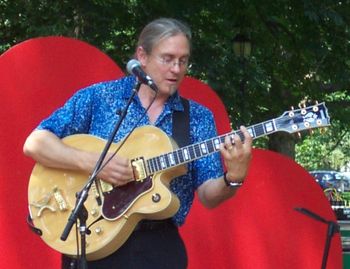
(167,60)
(183,62)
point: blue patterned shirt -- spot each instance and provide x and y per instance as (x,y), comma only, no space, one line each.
(92,110)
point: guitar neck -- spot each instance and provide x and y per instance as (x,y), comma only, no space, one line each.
(290,121)
(202,149)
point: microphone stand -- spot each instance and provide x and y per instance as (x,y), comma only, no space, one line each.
(333,228)
(80,212)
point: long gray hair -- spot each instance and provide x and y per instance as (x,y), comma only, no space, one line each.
(159,29)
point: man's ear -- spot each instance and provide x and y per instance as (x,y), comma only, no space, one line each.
(141,55)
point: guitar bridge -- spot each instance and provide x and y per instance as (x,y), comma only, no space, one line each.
(139,170)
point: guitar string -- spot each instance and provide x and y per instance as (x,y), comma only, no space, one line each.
(258,129)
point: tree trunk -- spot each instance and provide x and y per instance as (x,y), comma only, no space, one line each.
(283,143)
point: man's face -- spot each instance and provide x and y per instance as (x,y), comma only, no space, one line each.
(167,63)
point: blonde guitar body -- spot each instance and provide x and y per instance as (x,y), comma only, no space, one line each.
(52,193)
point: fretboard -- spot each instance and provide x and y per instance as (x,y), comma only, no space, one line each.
(204,148)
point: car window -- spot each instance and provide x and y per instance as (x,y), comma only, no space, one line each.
(326,177)
(338,176)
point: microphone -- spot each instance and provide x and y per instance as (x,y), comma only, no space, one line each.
(134,68)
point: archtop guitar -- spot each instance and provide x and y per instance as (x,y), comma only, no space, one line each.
(113,212)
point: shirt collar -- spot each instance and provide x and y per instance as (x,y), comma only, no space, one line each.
(174,102)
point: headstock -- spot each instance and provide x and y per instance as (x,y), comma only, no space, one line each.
(304,118)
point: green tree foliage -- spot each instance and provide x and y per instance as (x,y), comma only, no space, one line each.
(299,51)
(328,150)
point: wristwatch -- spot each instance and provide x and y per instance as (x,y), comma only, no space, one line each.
(230,183)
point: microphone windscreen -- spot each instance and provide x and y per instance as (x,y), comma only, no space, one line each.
(132,64)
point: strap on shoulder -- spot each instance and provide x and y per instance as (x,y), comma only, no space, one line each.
(181,124)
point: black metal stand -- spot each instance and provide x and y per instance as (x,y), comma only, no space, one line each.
(333,228)
(80,211)
(83,215)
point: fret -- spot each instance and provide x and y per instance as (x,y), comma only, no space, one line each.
(265,131)
(197,151)
(231,137)
(167,162)
(210,146)
(192,152)
(251,132)
(222,138)
(154,164)
(269,127)
(176,157)
(154,161)
(162,162)
(204,149)
(181,156)
(186,154)
(216,143)
(158,164)
(274,125)
(259,130)
(171,159)
(150,166)
(241,135)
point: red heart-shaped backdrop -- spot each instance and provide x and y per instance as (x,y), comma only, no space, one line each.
(259,228)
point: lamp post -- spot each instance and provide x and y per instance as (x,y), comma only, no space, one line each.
(242,48)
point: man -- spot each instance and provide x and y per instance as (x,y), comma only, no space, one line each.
(163,51)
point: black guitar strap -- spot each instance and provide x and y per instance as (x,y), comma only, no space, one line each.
(181,124)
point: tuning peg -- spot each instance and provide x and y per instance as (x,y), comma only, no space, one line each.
(323,130)
(311,131)
(302,105)
(298,135)
(291,112)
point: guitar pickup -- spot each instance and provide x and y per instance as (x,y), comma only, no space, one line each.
(62,204)
(139,170)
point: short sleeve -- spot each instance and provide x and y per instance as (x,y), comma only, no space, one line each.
(204,128)
(73,117)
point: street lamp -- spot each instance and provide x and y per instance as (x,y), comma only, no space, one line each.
(242,47)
